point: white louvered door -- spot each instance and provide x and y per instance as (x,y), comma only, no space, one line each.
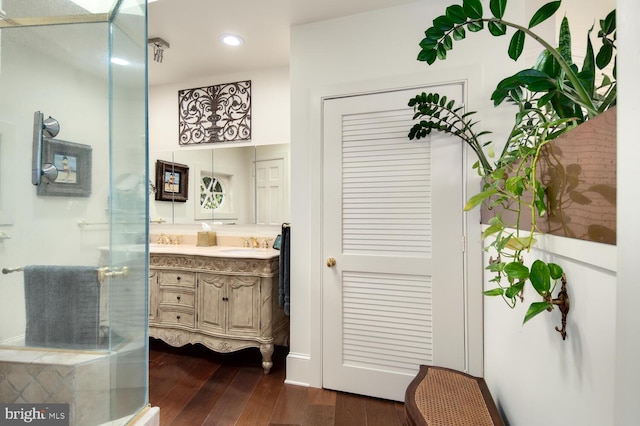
(392,220)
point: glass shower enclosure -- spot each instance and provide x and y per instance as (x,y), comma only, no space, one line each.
(73,209)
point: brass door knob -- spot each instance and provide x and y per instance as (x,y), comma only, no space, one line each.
(331,262)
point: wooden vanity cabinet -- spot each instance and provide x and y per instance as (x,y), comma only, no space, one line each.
(231,304)
(226,304)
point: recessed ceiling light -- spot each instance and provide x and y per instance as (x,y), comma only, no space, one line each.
(231,39)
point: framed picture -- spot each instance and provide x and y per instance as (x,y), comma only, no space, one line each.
(172,181)
(73,163)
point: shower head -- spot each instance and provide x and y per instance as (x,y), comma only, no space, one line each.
(159,45)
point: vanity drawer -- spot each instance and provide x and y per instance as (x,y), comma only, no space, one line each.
(175,317)
(177,279)
(176,297)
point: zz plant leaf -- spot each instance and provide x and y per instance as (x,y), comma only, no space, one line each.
(497,28)
(516,46)
(497,8)
(544,13)
(472,8)
(456,14)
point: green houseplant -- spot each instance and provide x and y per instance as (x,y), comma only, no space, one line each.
(551,97)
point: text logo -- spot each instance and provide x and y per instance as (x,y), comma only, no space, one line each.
(34,414)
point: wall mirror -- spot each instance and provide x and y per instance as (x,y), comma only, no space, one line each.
(226,185)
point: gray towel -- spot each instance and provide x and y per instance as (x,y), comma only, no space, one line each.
(284,286)
(62,306)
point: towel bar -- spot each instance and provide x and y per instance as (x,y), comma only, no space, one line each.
(82,223)
(10,270)
(102,272)
(107,273)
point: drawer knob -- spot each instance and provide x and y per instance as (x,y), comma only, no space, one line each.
(178,317)
(178,278)
(178,297)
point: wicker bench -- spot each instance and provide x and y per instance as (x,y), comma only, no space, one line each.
(440,396)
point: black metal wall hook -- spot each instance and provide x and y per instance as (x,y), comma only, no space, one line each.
(562,302)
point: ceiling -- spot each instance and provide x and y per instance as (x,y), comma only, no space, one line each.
(193,28)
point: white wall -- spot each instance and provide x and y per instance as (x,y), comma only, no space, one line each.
(627,371)
(529,366)
(269,108)
(355,54)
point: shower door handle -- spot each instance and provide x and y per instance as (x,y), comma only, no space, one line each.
(37,148)
(41,127)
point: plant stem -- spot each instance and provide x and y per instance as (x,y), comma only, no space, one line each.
(534,182)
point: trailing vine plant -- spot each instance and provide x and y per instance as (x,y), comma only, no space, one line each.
(551,97)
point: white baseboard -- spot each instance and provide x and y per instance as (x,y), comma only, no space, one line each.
(298,368)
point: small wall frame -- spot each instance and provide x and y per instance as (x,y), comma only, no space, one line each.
(73,163)
(172,181)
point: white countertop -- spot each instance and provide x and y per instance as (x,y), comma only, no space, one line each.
(215,251)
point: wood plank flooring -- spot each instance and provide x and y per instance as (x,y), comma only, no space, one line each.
(194,386)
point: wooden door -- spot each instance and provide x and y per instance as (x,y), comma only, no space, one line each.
(393,245)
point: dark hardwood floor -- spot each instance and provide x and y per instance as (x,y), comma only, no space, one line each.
(194,386)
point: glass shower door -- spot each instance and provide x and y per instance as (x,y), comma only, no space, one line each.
(83,63)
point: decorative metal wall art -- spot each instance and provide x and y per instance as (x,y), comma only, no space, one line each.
(219,113)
